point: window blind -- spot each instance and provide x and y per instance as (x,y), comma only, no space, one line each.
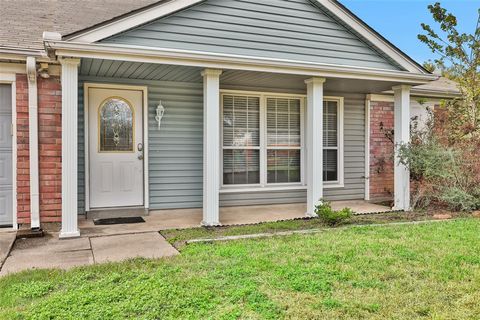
(330,141)
(283,140)
(241,139)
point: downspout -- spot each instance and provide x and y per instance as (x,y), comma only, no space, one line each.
(33,142)
(367,148)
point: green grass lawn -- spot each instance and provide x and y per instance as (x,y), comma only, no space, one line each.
(391,272)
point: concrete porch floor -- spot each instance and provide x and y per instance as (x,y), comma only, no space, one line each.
(190,218)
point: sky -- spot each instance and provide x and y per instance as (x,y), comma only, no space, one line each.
(399,20)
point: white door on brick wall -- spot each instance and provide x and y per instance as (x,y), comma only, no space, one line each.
(6,190)
(115,147)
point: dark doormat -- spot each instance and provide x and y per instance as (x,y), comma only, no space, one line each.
(124,220)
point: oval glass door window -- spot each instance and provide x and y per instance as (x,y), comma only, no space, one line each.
(116,126)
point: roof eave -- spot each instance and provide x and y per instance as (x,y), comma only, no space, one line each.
(228,61)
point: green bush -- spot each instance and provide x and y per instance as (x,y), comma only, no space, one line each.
(331,217)
(458,199)
(443,173)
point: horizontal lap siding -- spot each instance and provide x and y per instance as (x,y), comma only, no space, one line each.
(81,149)
(175,158)
(354,149)
(281,29)
(175,152)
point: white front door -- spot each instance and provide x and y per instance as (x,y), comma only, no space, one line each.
(115,147)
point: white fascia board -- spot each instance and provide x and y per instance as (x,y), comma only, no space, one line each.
(228,61)
(376,40)
(132,21)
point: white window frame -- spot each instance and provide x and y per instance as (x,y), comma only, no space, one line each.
(263,185)
(339,183)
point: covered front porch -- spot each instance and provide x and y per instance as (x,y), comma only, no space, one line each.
(191,171)
(166,219)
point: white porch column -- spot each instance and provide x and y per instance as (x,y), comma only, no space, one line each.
(402,136)
(211,146)
(69,147)
(314,146)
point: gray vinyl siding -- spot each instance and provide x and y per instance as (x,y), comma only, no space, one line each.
(176,155)
(81,149)
(354,149)
(175,152)
(281,29)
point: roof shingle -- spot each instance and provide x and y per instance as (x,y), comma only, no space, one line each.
(22,22)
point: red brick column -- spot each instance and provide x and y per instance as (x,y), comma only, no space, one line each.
(23,158)
(50,149)
(381,151)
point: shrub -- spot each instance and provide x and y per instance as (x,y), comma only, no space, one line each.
(458,199)
(442,172)
(331,217)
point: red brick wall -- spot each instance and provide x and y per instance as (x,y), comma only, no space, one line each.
(381,151)
(50,149)
(23,158)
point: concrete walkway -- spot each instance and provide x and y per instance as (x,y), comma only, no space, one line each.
(50,252)
(6,242)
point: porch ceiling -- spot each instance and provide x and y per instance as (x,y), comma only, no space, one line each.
(230,79)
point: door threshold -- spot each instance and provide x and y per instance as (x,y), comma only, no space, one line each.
(123,212)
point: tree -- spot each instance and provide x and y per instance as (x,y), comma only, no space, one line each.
(459,59)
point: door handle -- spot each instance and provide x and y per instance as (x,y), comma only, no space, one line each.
(140,157)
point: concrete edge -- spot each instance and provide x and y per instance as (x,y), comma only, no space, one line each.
(9,250)
(309,231)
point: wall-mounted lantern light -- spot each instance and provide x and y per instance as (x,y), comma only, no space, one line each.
(160,112)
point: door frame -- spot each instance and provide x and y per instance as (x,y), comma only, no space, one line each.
(11,79)
(144,89)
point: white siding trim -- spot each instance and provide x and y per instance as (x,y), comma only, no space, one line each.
(10,78)
(144,90)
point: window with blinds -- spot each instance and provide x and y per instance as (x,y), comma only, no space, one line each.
(330,141)
(283,140)
(241,139)
(262,139)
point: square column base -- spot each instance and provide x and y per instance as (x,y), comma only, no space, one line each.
(69,235)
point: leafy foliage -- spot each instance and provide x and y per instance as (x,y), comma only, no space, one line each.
(331,217)
(443,156)
(442,173)
(458,59)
